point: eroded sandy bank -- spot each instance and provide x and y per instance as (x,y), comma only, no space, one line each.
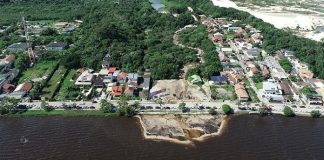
(182,129)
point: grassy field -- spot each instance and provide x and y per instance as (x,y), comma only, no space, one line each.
(53,81)
(37,71)
(67,85)
(259,85)
(69,113)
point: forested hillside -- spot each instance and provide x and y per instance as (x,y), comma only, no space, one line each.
(137,37)
(140,38)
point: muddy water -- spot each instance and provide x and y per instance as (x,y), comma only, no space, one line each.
(245,137)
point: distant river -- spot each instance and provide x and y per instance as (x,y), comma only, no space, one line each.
(245,138)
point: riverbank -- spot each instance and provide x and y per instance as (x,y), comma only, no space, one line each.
(181,129)
(65,113)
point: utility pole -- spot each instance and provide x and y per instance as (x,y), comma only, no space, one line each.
(29,43)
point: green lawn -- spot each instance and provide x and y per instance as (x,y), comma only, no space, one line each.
(37,71)
(67,87)
(259,85)
(64,113)
(53,81)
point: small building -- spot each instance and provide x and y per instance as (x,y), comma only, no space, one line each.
(56,46)
(9,59)
(272,91)
(132,77)
(18,47)
(85,79)
(7,88)
(98,82)
(117,91)
(122,77)
(241,92)
(129,91)
(25,87)
(253,53)
(314,100)
(147,82)
(106,61)
(219,79)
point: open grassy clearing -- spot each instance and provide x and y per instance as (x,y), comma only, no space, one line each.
(50,87)
(39,70)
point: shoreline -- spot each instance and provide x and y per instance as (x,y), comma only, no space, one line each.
(190,141)
(63,113)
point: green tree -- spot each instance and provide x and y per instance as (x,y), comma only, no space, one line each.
(106,107)
(285,64)
(181,105)
(22,62)
(212,111)
(288,112)
(8,105)
(315,113)
(48,32)
(226,109)
(45,106)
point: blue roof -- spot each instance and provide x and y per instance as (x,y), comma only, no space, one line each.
(218,78)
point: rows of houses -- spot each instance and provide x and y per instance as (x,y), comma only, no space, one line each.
(7,79)
(113,81)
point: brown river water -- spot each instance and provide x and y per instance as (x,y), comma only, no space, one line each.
(245,137)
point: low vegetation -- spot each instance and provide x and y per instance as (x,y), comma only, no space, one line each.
(315,114)
(226,109)
(288,112)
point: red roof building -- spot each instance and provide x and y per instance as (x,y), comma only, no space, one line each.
(8,88)
(10,58)
(112,69)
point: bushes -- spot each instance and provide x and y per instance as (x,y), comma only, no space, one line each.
(226,109)
(315,114)
(288,112)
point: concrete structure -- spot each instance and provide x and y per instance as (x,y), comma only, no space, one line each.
(85,79)
(272,91)
(276,70)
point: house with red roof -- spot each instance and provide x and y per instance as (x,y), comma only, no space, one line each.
(117,91)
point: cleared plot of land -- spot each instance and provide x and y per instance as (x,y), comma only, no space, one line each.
(37,71)
(50,87)
(180,90)
(223,92)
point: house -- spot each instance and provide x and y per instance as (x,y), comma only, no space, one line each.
(275,68)
(9,59)
(226,51)
(25,87)
(147,81)
(272,91)
(56,46)
(98,81)
(265,73)
(129,91)
(314,100)
(105,74)
(306,74)
(117,91)
(85,79)
(122,77)
(284,85)
(253,71)
(115,75)
(252,53)
(132,77)
(223,57)
(111,70)
(219,79)
(241,92)
(18,47)
(7,88)
(106,61)
(195,79)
